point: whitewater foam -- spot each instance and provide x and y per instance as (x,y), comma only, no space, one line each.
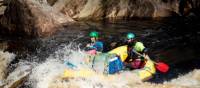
(49,75)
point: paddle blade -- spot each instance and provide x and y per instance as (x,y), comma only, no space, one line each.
(162,67)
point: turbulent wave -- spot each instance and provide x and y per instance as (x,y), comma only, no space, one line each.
(49,75)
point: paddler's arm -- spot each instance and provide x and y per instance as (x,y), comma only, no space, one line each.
(90,46)
(144,53)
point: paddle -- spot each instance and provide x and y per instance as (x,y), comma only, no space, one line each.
(70,65)
(161,66)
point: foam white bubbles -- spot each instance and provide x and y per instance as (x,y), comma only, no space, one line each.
(48,75)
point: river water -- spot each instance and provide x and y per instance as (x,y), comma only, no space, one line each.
(47,55)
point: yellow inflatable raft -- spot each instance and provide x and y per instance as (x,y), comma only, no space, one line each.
(147,71)
(69,73)
(144,74)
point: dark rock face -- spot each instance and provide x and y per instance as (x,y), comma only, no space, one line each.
(123,9)
(2,7)
(120,9)
(44,17)
(32,18)
(51,2)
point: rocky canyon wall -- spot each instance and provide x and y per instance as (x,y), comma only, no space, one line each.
(44,17)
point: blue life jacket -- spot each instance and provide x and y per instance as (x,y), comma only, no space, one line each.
(98,46)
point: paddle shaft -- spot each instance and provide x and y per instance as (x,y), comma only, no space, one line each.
(142,55)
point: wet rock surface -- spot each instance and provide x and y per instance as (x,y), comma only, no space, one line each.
(44,17)
(5,60)
(120,9)
(29,17)
(18,76)
(12,79)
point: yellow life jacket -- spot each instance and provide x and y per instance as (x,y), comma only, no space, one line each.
(120,51)
(148,71)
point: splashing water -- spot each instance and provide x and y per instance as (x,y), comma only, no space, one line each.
(49,75)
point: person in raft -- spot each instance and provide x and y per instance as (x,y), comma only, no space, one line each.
(128,52)
(95,43)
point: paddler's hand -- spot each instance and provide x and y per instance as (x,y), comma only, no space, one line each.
(88,45)
(113,44)
(143,57)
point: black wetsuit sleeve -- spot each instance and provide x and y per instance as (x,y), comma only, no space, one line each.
(131,55)
(145,51)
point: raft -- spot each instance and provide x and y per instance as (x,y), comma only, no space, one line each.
(69,73)
(147,71)
(144,73)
